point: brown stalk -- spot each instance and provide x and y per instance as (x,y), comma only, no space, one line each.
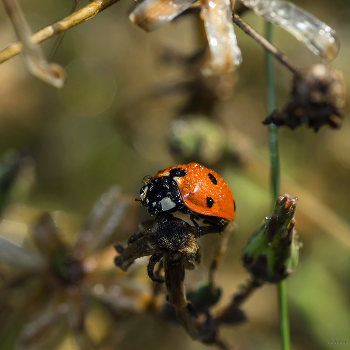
(62,25)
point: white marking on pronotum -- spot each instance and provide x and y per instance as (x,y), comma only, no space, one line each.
(143,194)
(167,204)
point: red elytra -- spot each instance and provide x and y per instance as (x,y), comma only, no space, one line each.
(203,191)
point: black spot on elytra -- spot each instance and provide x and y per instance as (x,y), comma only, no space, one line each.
(234,205)
(210,202)
(177,172)
(212,179)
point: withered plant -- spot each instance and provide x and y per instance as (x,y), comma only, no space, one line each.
(61,281)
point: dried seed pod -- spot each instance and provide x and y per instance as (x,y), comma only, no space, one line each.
(316,99)
(272,251)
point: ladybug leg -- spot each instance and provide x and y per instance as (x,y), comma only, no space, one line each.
(154,259)
(217,222)
(119,248)
(193,217)
(163,216)
(133,239)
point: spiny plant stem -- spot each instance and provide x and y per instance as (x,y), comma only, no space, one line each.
(273,143)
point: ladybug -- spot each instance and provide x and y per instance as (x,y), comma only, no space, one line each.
(190,189)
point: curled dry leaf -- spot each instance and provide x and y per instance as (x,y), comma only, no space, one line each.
(224,51)
(225,54)
(316,35)
(151,14)
(216,14)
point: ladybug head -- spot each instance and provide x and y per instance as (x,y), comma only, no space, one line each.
(161,194)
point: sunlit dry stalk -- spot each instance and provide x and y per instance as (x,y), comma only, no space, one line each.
(66,23)
(204,331)
(33,55)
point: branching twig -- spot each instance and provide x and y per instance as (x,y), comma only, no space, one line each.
(33,56)
(265,44)
(48,32)
(237,300)
(204,331)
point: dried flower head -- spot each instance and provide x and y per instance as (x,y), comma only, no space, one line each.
(57,285)
(166,237)
(172,242)
(316,99)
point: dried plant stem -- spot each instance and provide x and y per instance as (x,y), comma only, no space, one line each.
(48,32)
(237,300)
(265,43)
(273,142)
(201,330)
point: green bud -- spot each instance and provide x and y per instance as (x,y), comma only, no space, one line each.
(272,251)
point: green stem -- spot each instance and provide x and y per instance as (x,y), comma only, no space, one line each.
(273,144)
(283,314)
(271,105)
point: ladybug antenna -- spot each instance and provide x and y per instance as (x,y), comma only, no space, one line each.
(137,200)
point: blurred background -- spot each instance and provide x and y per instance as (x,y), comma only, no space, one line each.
(132,105)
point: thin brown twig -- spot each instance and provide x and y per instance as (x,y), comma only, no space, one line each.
(61,35)
(265,44)
(237,300)
(62,25)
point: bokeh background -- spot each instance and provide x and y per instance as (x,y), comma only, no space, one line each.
(112,124)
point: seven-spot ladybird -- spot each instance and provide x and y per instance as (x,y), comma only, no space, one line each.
(191,189)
